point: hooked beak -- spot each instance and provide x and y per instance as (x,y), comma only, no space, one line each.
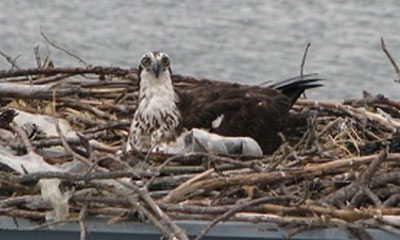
(156,68)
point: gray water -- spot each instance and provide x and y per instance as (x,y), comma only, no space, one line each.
(240,41)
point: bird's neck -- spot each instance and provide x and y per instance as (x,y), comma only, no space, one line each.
(157,95)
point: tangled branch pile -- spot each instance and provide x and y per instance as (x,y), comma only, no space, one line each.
(338,165)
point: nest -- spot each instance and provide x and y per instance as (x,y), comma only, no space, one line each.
(337,166)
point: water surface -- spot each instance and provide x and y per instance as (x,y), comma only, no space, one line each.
(240,41)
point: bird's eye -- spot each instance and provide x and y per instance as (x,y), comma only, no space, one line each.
(146,61)
(165,61)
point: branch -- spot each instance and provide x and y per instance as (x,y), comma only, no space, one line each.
(234,210)
(13,62)
(33,177)
(303,61)
(392,61)
(82,225)
(63,49)
(67,70)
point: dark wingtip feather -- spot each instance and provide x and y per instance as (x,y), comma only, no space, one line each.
(294,87)
(296,82)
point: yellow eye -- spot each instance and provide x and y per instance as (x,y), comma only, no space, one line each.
(146,61)
(165,61)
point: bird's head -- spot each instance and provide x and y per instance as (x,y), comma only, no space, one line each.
(155,65)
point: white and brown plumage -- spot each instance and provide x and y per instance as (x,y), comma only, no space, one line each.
(157,115)
(226,109)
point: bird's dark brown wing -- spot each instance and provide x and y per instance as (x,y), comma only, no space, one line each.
(247,111)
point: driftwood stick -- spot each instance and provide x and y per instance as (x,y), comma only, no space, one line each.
(303,61)
(373,167)
(22,134)
(67,70)
(27,91)
(360,114)
(178,232)
(13,187)
(12,61)
(37,56)
(68,148)
(349,191)
(277,176)
(82,225)
(12,212)
(143,193)
(33,177)
(51,79)
(22,200)
(309,221)
(392,200)
(234,210)
(176,194)
(63,49)
(55,141)
(391,59)
(367,176)
(360,234)
(378,99)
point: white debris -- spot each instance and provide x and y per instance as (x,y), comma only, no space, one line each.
(217,122)
(32,163)
(199,140)
(45,123)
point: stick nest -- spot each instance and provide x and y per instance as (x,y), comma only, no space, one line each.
(338,164)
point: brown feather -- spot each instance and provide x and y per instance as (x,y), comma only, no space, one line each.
(251,111)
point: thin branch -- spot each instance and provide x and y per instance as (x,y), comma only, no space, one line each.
(12,61)
(303,61)
(33,177)
(68,149)
(24,138)
(234,210)
(391,59)
(82,225)
(67,70)
(63,49)
(37,56)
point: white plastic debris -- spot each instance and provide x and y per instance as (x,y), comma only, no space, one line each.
(199,140)
(32,163)
(45,123)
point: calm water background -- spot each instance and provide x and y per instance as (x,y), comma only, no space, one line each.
(240,41)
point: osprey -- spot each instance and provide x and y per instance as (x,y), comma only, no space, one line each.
(163,113)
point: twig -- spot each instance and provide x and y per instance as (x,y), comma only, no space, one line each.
(359,114)
(176,194)
(391,59)
(159,169)
(297,230)
(68,148)
(349,191)
(10,60)
(277,176)
(67,70)
(234,210)
(33,177)
(360,234)
(63,49)
(24,138)
(49,224)
(308,221)
(82,224)
(144,195)
(303,61)
(392,200)
(37,56)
